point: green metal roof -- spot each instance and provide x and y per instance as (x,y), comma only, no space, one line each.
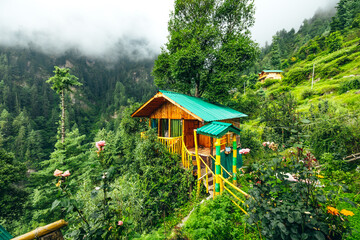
(217,129)
(279,71)
(4,235)
(207,111)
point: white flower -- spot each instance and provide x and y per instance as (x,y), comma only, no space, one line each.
(97,188)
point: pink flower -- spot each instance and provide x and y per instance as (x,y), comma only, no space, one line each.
(100,145)
(244,151)
(66,173)
(264,144)
(120,223)
(58,173)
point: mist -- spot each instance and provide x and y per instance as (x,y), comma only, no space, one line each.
(274,15)
(95,28)
(137,28)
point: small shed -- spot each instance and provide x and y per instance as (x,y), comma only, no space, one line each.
(270,74)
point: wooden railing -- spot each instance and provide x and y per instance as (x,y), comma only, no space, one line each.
(232,193)
(186,156)
(174,144)
(206,175)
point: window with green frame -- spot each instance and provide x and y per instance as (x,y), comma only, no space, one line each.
(176,127)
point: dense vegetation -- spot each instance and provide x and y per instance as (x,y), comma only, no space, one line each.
(131,188)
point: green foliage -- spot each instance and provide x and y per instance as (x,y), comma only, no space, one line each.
(208,46)
(334,41)
(248,103)
(292,210)
(281,119)
(349,85)
(269,82)
(332,132)
(62,80)
(218,217)
(12,195)
(347,10)
(297,75)
(308,92)
(167,186)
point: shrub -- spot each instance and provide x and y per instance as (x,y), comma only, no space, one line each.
(269,82)
(349,85)
(334,41)
(215,218)
(308,92)
(297,75)
(293,209)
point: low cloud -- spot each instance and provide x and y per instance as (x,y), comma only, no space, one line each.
(275,15)
(95,28)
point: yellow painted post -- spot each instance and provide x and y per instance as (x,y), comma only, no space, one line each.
(234,159)
(197,163)
(217,167)
(207,180)
(222,182)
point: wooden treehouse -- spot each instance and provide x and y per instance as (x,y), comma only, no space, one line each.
(197,130)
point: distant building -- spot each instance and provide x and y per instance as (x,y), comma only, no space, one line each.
(270,74)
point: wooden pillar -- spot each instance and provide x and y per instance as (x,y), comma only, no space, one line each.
(149,123)
(234,159)
(197,163)
(217,168)
(159,120)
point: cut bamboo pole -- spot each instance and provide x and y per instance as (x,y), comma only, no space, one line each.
(41,231)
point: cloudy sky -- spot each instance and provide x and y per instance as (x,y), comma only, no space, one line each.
(94,27)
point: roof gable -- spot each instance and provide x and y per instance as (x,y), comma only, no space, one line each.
(196,107)
(208,112)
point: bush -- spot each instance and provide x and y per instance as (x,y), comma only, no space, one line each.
(215,218)
(269,82)
(293,209)
(308,92)
(349,85)
(334,41)
(297,75)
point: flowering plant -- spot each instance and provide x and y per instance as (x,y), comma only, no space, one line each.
(287,208)
(106,224)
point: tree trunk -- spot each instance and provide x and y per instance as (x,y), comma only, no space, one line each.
(62,117)
(196,90)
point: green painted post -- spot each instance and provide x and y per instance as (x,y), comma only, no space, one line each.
(234,159)
(217,168)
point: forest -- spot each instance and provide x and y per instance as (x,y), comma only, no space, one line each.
(71,150)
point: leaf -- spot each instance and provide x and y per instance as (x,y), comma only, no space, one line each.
(304,236)
(282,227)
(290,219)
(304,120)
(94,193)
(319,235)
(55,204)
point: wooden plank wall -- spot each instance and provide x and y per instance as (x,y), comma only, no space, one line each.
(170,111)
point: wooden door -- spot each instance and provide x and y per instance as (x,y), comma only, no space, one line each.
(189,126)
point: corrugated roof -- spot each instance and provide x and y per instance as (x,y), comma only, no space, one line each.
(4,235)
(217,129)
(207,111)
(279,71)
